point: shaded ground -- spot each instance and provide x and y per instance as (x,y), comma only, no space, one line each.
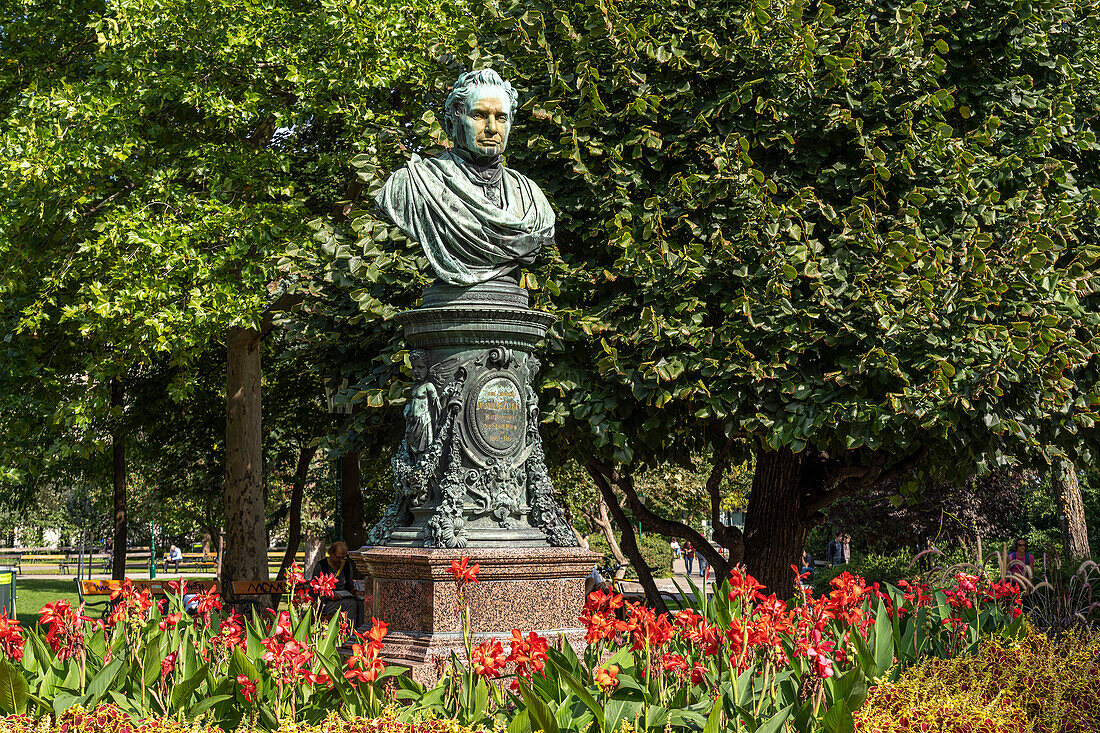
(33,593)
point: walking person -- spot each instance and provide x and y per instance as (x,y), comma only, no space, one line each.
(689,556)
(846,549)
(702,566)
(834,551)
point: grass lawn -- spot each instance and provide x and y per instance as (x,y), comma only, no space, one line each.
(32,593)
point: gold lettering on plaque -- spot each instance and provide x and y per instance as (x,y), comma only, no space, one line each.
(499,413)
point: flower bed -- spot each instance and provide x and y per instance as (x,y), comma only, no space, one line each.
(737,659)
(1038,684)
(110,719)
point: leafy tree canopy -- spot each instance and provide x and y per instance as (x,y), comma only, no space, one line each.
(860,232)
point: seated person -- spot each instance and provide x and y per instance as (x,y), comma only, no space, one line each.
(175,556)
(337,564)
(595,582)
(807,563)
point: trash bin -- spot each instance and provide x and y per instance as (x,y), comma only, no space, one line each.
(7,590)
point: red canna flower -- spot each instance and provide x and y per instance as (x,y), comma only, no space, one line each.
(11,637)
(743,585)
(378,630)
(488,658)
(248,686)
(317,678)
(529,655)
(168,665)
(207,602)
(463,572)
(64,628)
(674,663)
(169,621)
(607,678)
(280,628)
(598,616)
(323,585)
(364,665)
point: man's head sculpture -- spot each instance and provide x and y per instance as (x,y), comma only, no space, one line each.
(476,219)
(478,113)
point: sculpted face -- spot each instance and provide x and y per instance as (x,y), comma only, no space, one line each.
(483,127)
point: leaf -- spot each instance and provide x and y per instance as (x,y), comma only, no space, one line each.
(521,723)
(714,720)
(205,704)
(776,722)
(618,709)
(64,701)
(103,681)
(182,692)
(581,692)
(884,640)
(838,719)
(14,690)
(152,657)
(240,664)
(541,716)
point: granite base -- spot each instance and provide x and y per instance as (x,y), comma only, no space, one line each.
(530,589)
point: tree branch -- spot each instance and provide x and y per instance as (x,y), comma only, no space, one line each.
(666,527)
(850,480)
(294,537)
(604,523)
(629,543)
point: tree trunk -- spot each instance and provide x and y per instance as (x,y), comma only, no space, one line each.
(351,497)
(776,524)
(315,544)
(294,535)
(604,523)
(244,555)
(1075,533)
(630,543)
(118,475)
(668,528)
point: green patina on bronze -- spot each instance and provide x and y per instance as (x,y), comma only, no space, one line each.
(471,470)
(476,220)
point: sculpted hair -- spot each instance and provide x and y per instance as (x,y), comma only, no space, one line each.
(456,100)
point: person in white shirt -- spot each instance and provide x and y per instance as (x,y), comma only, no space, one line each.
(175,555)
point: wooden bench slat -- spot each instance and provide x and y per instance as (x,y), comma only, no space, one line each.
(96,587)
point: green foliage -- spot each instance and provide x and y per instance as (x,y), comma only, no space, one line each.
(655,550)
(874,567)
(1039,684)
(158,160)
(110,719)
(767,231)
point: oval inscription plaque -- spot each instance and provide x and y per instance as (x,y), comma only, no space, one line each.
(498,414)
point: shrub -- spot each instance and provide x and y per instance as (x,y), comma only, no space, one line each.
(874,568)
(1039,683)
(654,548)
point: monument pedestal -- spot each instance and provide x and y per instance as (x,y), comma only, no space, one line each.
(537,589)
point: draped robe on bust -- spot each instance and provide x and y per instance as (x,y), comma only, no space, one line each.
(442,203)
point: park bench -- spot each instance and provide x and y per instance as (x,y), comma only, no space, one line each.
(252,593)
(101,590)
(197,561)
